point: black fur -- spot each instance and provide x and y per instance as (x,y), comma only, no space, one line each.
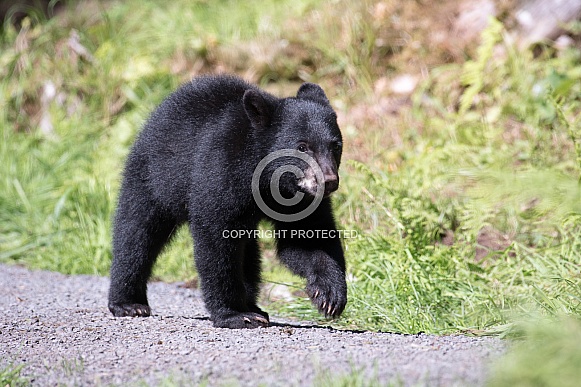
(193,162)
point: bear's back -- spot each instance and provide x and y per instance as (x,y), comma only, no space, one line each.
(205,98)
(192,133)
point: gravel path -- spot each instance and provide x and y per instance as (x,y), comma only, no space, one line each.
(59,327)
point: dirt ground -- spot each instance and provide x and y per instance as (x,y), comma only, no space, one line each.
(59,328)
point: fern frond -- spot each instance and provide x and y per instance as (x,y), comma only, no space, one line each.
(474,71)
(573,129)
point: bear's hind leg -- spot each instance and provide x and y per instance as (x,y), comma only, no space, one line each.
(140,232)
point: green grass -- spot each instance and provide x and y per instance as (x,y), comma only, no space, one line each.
(549,357)
(355,378)
(466,202)
(10,376)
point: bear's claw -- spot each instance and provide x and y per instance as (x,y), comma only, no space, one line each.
(130,310)
(330,300)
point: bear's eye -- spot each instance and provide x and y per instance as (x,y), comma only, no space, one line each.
(336,146)
(302,148)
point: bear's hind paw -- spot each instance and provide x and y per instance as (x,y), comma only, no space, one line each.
(130,310)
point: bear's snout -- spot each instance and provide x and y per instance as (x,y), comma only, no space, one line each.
(331,184)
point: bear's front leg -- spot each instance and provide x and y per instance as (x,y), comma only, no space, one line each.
(220,264)
(326,286)
(312,249)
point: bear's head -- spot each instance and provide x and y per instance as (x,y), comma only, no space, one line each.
(302,137)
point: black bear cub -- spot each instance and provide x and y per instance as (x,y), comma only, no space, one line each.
(195,161)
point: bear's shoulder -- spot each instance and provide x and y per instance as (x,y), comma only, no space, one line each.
(214,89)
(207,97)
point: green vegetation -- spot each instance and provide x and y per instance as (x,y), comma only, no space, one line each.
(466,200)
(500,178)
(10,376)
(355,378)
(549,357)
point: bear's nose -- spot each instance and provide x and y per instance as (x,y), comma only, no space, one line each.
(331,184)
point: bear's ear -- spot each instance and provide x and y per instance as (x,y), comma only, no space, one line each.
(312,92)
(258,108)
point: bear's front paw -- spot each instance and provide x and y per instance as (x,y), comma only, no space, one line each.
(130,310)
(241,320)
(329,297)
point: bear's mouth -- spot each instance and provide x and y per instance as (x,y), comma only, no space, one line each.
(328,193)
(309,185)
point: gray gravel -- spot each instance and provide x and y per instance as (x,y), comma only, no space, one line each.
(59,327)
